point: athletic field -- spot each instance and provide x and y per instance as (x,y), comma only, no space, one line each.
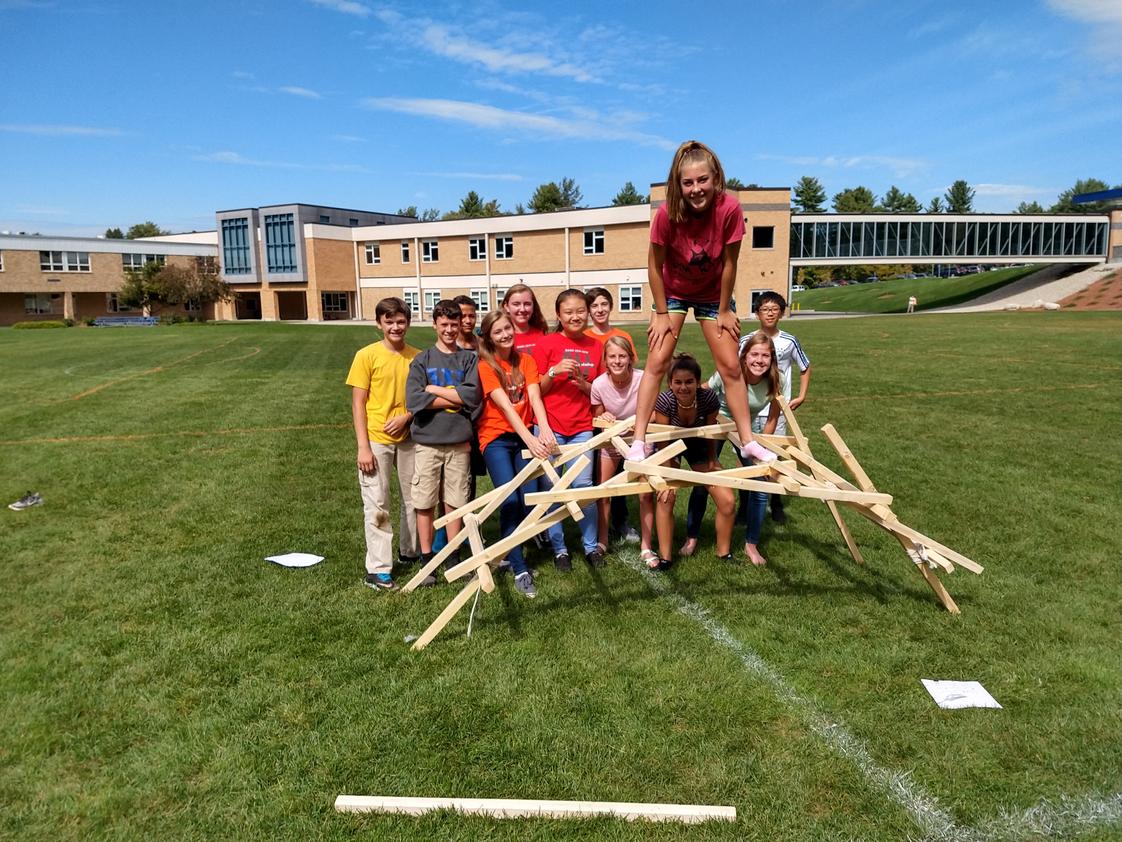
(161,681)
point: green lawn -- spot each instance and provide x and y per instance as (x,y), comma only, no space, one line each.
(161,681)
(892,296)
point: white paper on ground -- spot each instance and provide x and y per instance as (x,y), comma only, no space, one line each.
(295,559)
(953,695)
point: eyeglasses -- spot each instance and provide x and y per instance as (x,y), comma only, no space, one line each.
(768,310)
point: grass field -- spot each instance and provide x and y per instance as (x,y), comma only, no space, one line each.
(892,296)
(161,681)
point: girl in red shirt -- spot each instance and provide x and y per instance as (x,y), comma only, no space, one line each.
(695,243)
(568,362)
(525,313)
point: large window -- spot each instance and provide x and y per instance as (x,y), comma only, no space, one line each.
(500,294)
(482,301)
(431,297)
(404,251)
(593,240)
(504,247)
(135,262)
(280,243)
(206,265)
(64,261)
(763,236)
(113,305)
(37,303)
(477,248)
(412,300)
(235,247)
(334,302)
(430,251)
(631,299)
(373,253)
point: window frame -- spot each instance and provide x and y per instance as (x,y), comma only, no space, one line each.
(477,249)
(405,259)
(504,247)
(593,238)
(327,307)
(625,299)
(432,295)
(373,253)
(145,259)
(430,251)
(112,305)
(36,308)
(500,293)
(482,299)
(762,228)
(68,261)
(412,299)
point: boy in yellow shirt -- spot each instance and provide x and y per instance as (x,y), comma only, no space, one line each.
(381,422)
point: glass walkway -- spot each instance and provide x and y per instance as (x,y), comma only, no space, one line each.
(838,239)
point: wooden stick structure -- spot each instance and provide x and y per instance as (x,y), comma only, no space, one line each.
(517,808)
(796,472)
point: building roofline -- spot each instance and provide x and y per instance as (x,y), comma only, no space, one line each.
(307,205)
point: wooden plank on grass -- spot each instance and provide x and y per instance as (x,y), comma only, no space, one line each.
(486,580)
(898,528)
(450,610)
(517,808)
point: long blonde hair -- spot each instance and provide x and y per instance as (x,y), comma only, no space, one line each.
(487,352)
(691,152)
(772,376)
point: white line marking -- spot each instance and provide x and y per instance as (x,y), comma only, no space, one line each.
(924,809)
(1068,817)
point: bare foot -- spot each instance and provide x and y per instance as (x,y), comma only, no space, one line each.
(688,548)
(754,555)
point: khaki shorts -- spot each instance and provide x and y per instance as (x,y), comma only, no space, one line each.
(441,472)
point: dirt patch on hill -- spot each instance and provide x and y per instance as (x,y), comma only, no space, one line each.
(1103,294)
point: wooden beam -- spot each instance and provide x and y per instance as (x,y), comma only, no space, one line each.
(567,451)
(932,580)
(511,808)
(596,492)
(847,457)
(914,535)
(792,424)
(573,508)
(450,611)
(700,478)
(486,580)
(520,478)
(502,547)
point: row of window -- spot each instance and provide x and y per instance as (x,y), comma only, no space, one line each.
(629,300)
(42,303)
(430,250)
(64,261)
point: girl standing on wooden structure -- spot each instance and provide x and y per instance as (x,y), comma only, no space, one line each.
(685,405)
(614,395)
(568,362)
(695,243)
(513,404)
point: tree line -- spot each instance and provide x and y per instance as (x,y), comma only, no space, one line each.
(809,196)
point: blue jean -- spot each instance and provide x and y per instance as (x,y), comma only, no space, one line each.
(503,457)
(589,531)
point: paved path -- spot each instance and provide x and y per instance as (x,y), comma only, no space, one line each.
(1045,285)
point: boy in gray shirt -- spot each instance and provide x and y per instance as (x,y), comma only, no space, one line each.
(443,393)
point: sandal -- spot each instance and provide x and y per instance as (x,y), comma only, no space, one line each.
(665,563)
(650,558)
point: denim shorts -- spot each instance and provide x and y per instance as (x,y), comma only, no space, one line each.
(703,311)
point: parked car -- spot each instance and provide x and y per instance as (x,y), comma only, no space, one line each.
(798,288)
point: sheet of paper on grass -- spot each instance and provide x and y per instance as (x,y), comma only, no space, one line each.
(295,559)
(953,695)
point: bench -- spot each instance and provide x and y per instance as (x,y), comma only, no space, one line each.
(126,321)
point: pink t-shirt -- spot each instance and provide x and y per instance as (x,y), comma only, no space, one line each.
(620,403)
(695,248)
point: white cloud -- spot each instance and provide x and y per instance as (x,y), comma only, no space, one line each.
(347,7)
(1090,11)
(489,117)
(473,176)
(229,157)
(295,90)
(1015,190)
(348,138)
(900,167)
(58,131)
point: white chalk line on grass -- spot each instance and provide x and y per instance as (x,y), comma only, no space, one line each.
(1070,815)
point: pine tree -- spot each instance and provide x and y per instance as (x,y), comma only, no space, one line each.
(810,195)
(960,198)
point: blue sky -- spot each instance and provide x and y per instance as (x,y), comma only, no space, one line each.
(116,112)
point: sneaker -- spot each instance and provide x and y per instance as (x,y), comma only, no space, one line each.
(595,558)
(427,582)
(407,560)
(31,498)
(563,563)
(638,452)
(380,581)
(524,584)
(631,534)
(755,450)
